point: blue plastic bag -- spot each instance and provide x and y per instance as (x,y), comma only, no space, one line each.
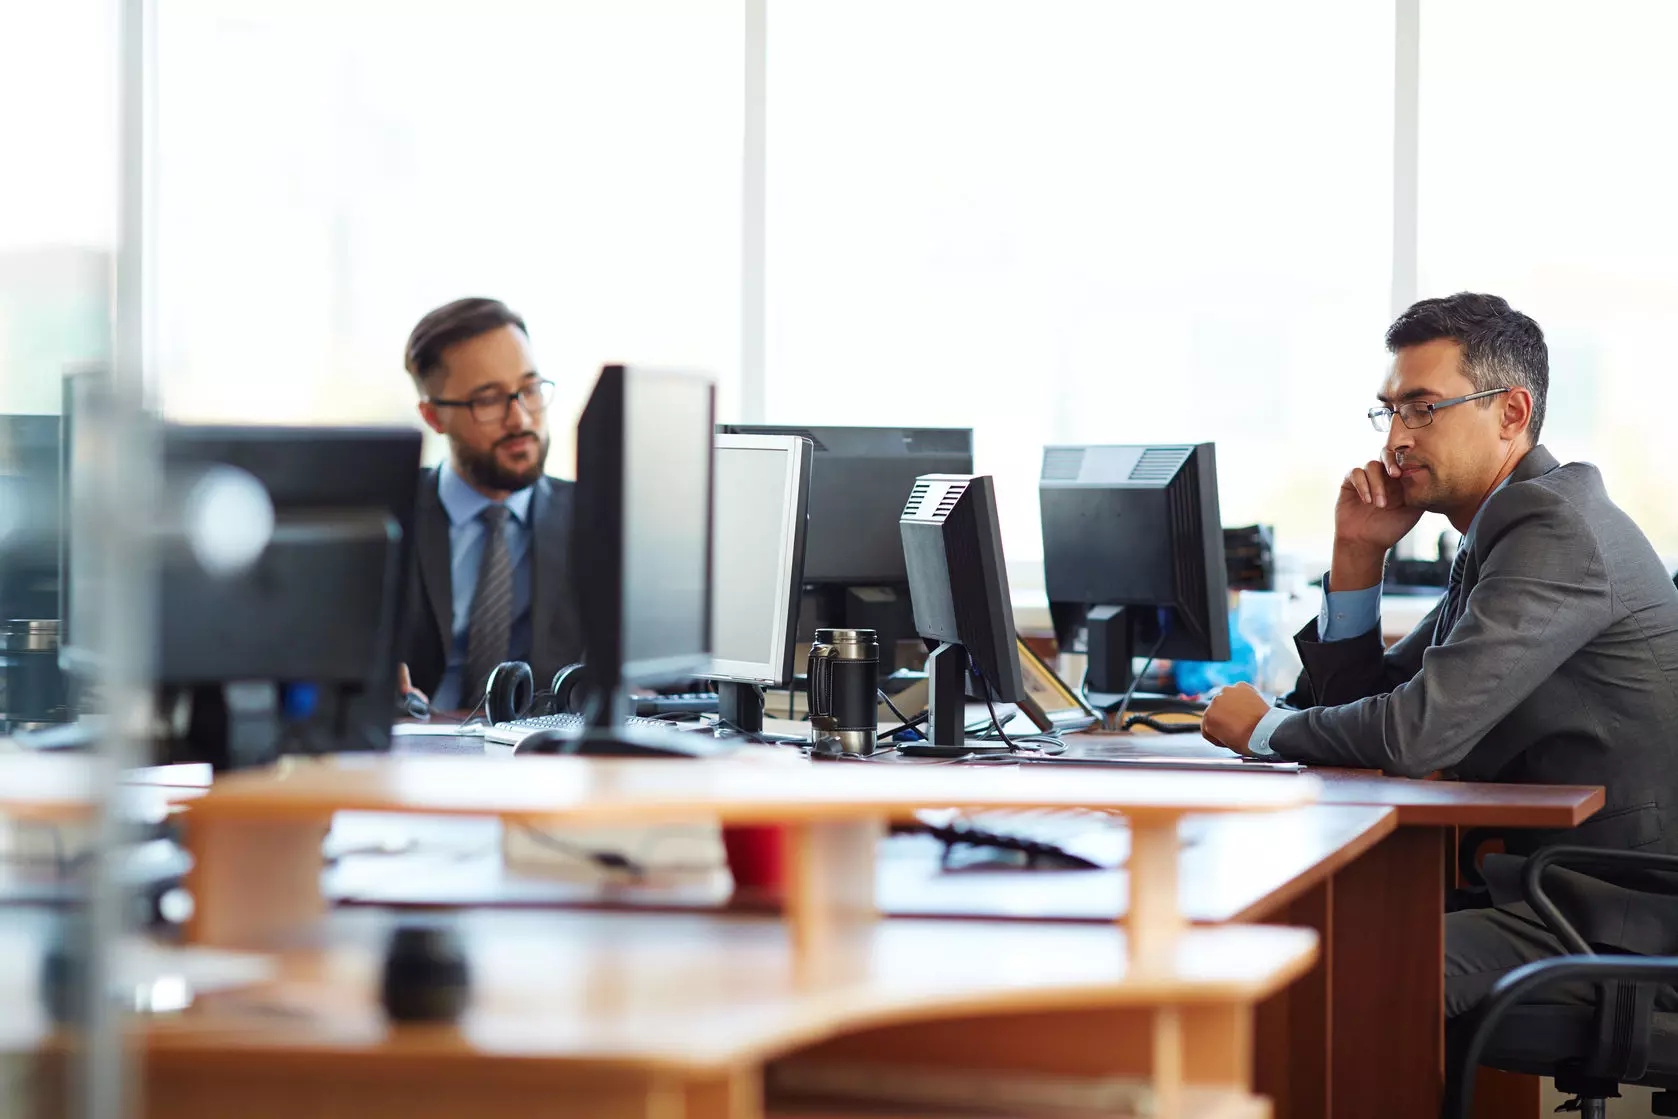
(1200,677)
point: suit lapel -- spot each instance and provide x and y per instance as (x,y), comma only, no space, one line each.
(1465,571)
(431,528)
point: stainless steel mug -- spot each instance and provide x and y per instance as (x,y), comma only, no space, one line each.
(843,676)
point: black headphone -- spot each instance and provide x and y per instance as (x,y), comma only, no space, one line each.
(509,692)
(570,689)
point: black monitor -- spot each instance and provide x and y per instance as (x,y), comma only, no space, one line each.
(952,548)
(859,479)
(1133,557)
(641,541)
(297,652)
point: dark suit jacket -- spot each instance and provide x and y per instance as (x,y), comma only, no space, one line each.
(428,619)
(1562,668)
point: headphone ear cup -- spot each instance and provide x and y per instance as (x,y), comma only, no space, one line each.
(509,691)
(569,690)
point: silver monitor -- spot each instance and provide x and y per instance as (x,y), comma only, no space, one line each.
(760,504)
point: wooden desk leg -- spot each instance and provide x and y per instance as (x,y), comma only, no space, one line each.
(1293,1027)
(1387,978)
(251,879)
(1507,1095)
(1155,920)
(830,892)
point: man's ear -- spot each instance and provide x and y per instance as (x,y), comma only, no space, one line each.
(433,418)
(1517,411)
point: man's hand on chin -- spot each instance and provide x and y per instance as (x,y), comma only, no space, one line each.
(1233,716)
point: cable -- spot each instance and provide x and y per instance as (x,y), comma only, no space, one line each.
(1160,725)
(886,699)
(907,724)
(990,704)
(1118,717)
(607,860)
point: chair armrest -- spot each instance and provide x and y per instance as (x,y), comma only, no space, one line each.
(1532,884)
(1522,983)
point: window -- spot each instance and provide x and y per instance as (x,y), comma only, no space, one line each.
(328,172)
(1547,177)
(58,195)
(1087,222)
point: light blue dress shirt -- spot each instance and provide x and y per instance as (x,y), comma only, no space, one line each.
(1343,616)
(463,504)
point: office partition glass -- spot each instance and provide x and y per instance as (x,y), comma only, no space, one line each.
(1086,222)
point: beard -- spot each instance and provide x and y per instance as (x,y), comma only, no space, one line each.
(482,468)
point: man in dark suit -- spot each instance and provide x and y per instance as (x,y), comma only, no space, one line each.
(491,579)
(1552,658)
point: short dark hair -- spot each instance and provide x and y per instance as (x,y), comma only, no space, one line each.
(451,323)
(1500,346)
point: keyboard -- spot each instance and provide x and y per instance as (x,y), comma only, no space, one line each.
(1067,838)
(690,703)
(511,734)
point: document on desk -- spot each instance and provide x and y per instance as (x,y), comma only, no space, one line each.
(1124,754)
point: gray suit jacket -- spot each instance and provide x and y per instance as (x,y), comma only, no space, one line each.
(1561,668)
(555,632)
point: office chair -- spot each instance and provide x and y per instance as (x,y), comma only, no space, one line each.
(1589,1050)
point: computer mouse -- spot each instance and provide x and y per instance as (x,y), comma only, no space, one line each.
(414,705)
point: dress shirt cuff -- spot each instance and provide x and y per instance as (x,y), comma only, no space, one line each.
(1259,744)
(1348,614)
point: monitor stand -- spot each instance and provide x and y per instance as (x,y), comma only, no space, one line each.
(740,706)
(1112,651)
(946,705)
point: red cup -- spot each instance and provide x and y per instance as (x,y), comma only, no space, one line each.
(757,858)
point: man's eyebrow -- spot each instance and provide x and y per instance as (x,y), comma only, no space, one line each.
(1413,394)
(530,375)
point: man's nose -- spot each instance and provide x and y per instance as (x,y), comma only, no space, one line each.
(518,417)
(1400,437)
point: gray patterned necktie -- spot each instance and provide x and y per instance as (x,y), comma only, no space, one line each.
(490,625)
(1452,609)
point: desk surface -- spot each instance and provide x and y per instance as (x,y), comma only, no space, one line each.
(611,791)
(1463,803)
(699,992)
(1233,868)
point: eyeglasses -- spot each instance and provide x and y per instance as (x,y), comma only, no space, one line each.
(492,406)
(1419,413)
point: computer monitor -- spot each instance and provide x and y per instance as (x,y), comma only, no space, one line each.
(1133,557)
(952,549)
(297,652)
(641,541)
(758,531)
(29,521)
(859,479)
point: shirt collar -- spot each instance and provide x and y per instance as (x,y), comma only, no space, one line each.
(464,504)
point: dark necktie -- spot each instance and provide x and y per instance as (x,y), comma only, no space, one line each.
(1454,598)
(489,628)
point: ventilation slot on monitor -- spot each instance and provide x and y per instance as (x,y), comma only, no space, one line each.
(1183,510)
(948,502)
(916,496)
(1062,464)
(1160,464)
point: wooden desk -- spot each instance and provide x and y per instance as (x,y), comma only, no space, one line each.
(255,837)
(1385,963)
(607,1015)
(1231,868)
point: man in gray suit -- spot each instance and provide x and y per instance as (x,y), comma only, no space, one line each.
(1552,658)
(491,577)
